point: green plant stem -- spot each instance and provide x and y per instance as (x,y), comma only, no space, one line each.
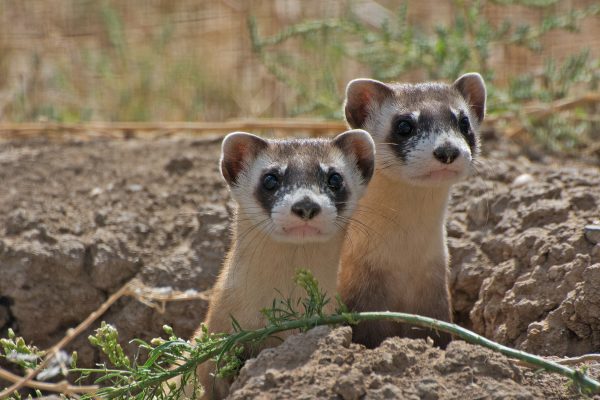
(578,377)
(471,337)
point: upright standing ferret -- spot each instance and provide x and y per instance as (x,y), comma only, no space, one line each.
(294,199)
(427,138)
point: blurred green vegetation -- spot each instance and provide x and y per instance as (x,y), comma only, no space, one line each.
(123,79)
(398,49)
(129,80)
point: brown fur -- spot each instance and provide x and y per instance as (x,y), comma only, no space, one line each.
(374,277)
(395,257)
(364,288)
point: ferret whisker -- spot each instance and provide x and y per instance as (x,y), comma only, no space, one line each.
(364,208)
(261,243)
(243,235)
(359,231)
(367,210)
(354,223)
(384,166)
(480,168)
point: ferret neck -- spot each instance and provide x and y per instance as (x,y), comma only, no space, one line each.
(396,227)
(404,203)
(396,223)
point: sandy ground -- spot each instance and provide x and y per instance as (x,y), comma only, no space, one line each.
(78,219)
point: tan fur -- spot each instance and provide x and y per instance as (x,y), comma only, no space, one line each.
(395,257)
(255,267)
(398,229)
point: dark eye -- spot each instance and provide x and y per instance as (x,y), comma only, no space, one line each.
(404,127)
(270,182)
(335,181)
(464,125)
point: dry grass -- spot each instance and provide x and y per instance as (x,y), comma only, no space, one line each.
(135,60)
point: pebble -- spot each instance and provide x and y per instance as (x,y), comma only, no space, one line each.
(592,233)
(135,188)
(522,180)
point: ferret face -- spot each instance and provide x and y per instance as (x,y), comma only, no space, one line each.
(426,134)
(301,190)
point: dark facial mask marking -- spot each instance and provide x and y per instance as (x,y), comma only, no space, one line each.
(267,197)
(339,195)
(429,121)
(404,134)
(297,176)
(467,131)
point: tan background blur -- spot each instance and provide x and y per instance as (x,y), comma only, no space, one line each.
(74,60)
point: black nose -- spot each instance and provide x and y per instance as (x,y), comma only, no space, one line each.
(446,153)
(306,208)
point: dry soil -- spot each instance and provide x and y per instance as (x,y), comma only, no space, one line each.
(79,218)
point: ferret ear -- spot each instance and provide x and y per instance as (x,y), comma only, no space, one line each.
(472,88)
(360,144)
(238,150)
(361,96)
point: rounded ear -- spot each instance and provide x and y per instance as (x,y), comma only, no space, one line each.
(358,143)
(361,95)
(472,87)
(237,151)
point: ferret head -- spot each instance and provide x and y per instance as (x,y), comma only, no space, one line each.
(299,190)
(426,134)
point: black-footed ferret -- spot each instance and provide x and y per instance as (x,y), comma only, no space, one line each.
(427,137)
(294,198)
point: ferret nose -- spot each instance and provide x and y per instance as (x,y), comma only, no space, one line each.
(446,153)
(306,208)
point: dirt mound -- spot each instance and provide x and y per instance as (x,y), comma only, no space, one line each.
(78,219)
(325,364)
(523,268)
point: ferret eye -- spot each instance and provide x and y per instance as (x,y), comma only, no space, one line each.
(404,127)
(335,181)
(464,125)
(270,182)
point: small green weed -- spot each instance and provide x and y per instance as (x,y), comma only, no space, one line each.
(175,357)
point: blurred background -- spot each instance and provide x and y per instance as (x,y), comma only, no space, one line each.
(74,61)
